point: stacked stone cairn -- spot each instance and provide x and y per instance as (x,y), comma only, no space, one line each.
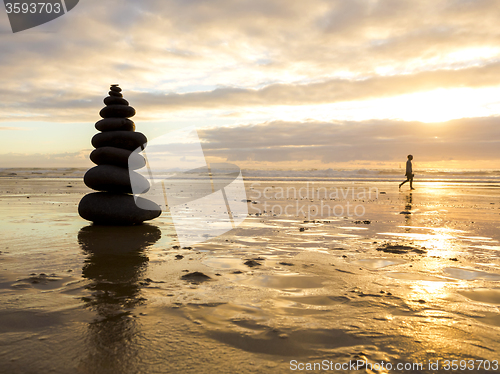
(114,204)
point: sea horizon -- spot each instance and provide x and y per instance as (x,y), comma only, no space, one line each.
(425,175)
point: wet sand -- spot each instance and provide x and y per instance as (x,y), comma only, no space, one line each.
(416,278)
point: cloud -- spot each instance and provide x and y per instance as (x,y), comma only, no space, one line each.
(348,141)
(74,109)
(46,160)
(239,61)
(313,144)
(331,91)
(244,53)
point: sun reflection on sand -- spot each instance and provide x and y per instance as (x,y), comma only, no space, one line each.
(426,224)
(428,291)
(442,245)
(438,243)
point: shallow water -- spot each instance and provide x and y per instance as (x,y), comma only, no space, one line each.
(490,296)
(377,263)
(286,282)
(467,274)
(112,299)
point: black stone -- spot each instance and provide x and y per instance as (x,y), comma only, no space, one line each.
(114,87)
(116,209)
(118,157)
(113,93)
(113,100)
(112,178)
(120,139)
(117,111)
(115,124)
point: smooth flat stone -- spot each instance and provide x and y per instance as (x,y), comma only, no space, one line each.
(113,100)
(115,124)
(115,88)
(120,139)
(112,178)
(117,111)
(113,93)
(118,157)
(105,208)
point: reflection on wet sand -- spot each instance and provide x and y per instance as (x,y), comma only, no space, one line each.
(403,288)
(114,265)
(408,208)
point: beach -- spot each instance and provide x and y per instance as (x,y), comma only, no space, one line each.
(326,269)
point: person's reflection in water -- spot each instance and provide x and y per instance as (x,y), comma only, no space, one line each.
(408,207)
(115,264)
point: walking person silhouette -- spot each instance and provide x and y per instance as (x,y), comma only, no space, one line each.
(409,173)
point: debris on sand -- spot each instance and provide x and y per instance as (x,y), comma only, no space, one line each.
(43,278)
(195,277)
(405,212)
(286,263)
(399,249)
(251,263)
(345,271)
(366,222)
(179,257)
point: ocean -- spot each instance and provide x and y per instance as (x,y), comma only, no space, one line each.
(487,176)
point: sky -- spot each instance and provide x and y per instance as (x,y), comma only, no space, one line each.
(268,83)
